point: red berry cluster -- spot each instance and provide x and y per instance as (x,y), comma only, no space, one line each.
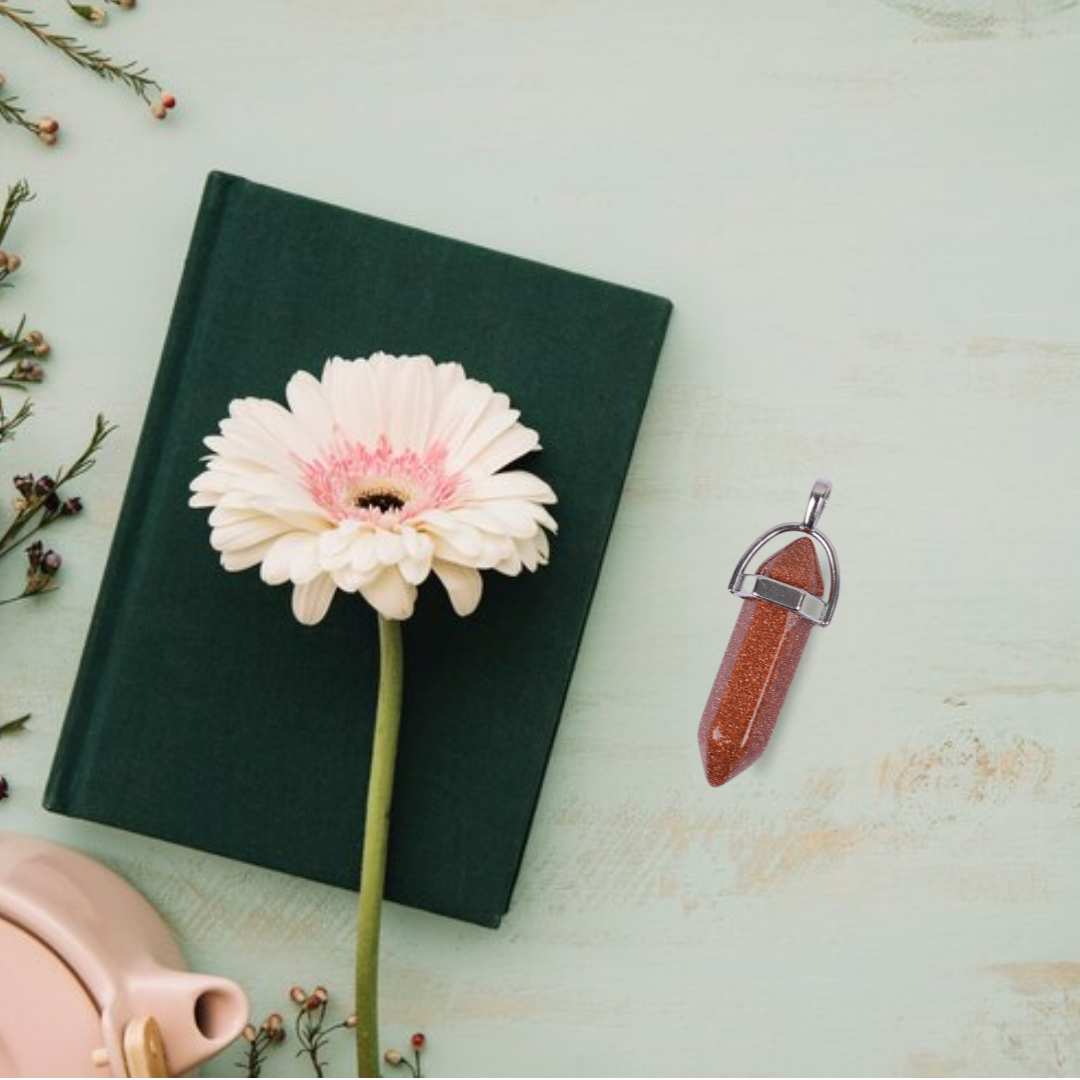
(164,105)
(417,1041)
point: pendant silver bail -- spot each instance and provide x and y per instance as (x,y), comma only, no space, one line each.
(819,496)
(751,586)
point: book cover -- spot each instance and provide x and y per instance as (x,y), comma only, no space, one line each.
(203,713)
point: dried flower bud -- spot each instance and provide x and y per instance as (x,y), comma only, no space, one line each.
(47,137)
(24,484)
(321,993)
(418,1040)
(27,370)
(126,3)
(312,1003)
(273,1022)
(298,994)
(48,125)
(44,485)
(42,349)
(3,260)
(393,1057)
(88,12)
(71,507)
(168,99)
(19,504)
(35,337)
(350,1020)
(41,568)
(249,1033)
(159,111)
(13,263)
(34,555)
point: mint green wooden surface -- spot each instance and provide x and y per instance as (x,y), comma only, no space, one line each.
(868,216)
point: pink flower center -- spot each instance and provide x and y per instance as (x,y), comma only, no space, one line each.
(380,485)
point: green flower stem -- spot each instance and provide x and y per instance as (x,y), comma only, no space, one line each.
(376,831)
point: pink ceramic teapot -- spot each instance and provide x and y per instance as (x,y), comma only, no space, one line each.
(91,981)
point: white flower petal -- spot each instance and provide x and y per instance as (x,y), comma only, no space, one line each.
(510,564)
(415,571)
(335,544)
(294,557)
(277,563)
(448,528)
(463,584)
(505,448)
(309,406)
(388,547)
(511,485)
(533,551)
(245,558)
(411,405)
(390,594)
(460,410)
(281,427)
(495,421)
(311,601)
(245,532)
(355,399)
(363,555)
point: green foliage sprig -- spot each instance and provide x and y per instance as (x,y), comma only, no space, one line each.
(41,500)
(134,76)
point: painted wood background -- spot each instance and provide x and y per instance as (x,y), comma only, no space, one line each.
(867,213)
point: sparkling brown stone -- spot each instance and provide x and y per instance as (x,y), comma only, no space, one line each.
(757,668)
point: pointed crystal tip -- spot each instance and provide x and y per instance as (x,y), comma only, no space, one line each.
(797,565)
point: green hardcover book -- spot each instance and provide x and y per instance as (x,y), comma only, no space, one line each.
(203,712)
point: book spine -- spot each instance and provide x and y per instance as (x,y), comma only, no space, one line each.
(63,792)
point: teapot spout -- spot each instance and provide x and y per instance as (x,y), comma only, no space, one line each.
(198,1015)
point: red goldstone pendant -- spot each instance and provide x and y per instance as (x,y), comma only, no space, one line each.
(782,603)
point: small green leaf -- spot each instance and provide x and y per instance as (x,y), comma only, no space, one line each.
(9,727)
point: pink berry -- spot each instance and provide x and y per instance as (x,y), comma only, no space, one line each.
(168,100)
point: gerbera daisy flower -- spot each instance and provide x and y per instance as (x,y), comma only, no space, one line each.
(381,472)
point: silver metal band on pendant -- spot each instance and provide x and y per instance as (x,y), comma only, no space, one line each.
(814,608)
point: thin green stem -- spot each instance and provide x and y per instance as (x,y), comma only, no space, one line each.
(20,538)
(13,113)
(9,422)
(136,79)
(376,832)
(18,193)
(27,595)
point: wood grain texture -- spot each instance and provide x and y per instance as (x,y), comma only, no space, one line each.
(867,215)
